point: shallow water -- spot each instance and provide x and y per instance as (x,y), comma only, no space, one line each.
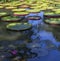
(44,42)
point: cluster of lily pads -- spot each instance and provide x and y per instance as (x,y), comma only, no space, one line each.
(12,12)
(24,7)
(35,6)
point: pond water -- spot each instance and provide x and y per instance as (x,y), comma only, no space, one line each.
(44,43)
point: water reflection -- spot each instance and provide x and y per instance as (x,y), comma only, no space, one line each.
(18,53)
(56,33)
(40,45)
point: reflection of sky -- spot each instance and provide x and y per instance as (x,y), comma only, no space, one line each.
(43,42)
(53,56)
(39,45)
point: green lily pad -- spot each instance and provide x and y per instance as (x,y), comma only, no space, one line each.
(10,18)
(22,9)
(10,7)
(21,13)
(50,8)
(24,6)
(34,17)
(55,21)
(57,11)
(19,26)
(3,13)
(33,10)
(1,7)
(49,13)
(6,4)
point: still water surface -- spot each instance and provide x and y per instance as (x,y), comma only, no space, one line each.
(44,42)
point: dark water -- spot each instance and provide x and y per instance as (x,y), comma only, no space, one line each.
(39,44)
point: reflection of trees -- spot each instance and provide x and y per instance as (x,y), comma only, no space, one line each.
(56,33)
(19,53)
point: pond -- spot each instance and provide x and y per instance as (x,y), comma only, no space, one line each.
(41,44)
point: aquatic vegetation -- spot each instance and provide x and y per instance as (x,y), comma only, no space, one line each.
(33,11)
(57,11)
(3,13)
(34,18)
(1,7)
(10,18)
(21,9)
(19,26)
(24,6)
(19,52)
(20,13)
(55,21)
(10,7)
(7,31)
(49,13)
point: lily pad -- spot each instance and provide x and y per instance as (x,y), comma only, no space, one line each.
(3,14)
(53,21)
(50,8)
(20,13)
(52,16)
(34,18)
(57,11)
(33,4)
(24,6)
(10,18)
(33,10)
(10,7)
(19,26)
(1,7)
(49,13)
(6,4)
(22,9)
(18,4)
